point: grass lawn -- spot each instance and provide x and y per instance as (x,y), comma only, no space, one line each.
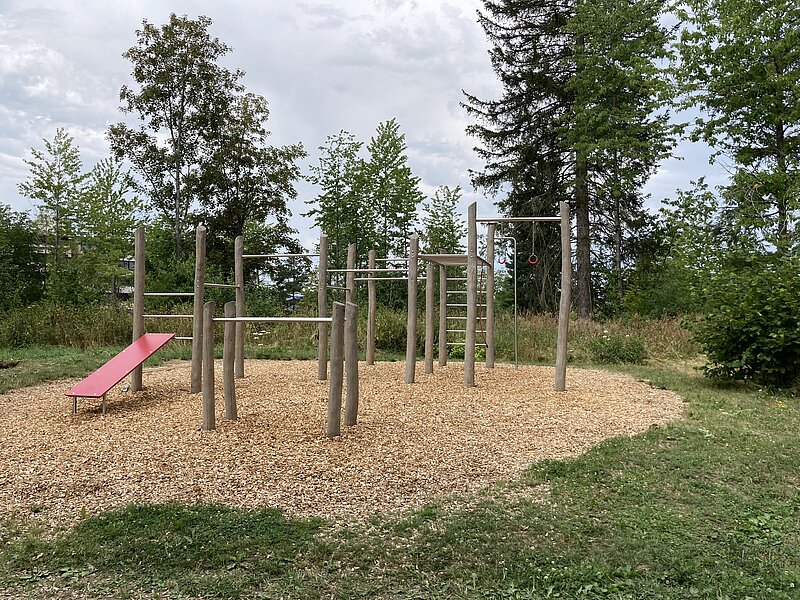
(708,507)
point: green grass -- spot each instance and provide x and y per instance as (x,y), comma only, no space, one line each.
(708,507)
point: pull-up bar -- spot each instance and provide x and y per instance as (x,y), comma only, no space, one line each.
(518,220)
(302,255)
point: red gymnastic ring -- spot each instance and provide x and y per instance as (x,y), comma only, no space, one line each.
(533,260)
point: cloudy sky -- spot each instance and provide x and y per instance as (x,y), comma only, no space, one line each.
(323,66)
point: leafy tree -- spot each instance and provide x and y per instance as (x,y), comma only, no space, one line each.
(244,179)
(443,228)
(21,265)
(182,100)
(392,191)
(577,118)
(339,210)
(55,181)
(740,65)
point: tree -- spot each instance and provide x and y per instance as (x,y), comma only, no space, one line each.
(392,191)
(243,178)
(340,210)
(21,265)
(577,118)
(55,181)
(740,65)
(183,98)
(443,229)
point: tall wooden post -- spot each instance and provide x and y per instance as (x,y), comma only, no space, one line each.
(228,356)
(238,251)
(411,329)
(199,297)
(337,371)
(322,309)
(564,303)
(209,418)
(351,362)
(138,302)
(371,308)
(490,297)
(429,284)
(350,279)
(442,315)
(472,296)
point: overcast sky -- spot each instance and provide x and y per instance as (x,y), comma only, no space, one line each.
(323,66)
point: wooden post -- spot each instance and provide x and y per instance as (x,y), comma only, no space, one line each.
(472,296)
(564,303)
(322,309)
(429,283)
(138,302)
(228,359)
(490,297)
(350,279)
(411,329)
(238,251)
(351,362)
(371,308)
(442,315)
(199,296)
(337,371)
(209,422)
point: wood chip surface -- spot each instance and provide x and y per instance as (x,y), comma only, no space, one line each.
(411,443)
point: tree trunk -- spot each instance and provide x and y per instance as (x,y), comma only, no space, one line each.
(583,243)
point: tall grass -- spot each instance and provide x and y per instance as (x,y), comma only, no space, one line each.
(96,326)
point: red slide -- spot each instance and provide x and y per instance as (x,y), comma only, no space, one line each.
(97,384)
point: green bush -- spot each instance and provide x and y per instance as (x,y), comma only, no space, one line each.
(611,348)
(751,329)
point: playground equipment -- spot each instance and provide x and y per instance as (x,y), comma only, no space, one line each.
(98,383)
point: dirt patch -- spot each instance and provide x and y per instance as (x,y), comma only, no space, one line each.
(412,442)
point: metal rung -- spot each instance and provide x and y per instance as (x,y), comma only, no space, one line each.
(456,291)
(464,344)
(169,293)
(457,279)
(183,337)
(456,331)
(169,316)
(279,255)
(221,285)
(462,305)
(456,318)
(337,287)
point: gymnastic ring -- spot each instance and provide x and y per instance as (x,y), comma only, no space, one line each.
(533,260)
(501,260)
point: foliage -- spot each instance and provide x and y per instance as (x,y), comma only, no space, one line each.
(578,120)
(55,181)
(339,211)
(610,349)
(183,98)
(442,227)
(739,66)
(751,327)
(391,191)
(21,265)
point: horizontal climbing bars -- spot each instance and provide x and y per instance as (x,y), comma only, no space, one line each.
(221,285)
(367,270)
(169,316)
(169,293)
(302,255)
(518,219)
(273,319)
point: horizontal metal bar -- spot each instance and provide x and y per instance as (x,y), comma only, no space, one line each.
(169,293)
(456,291)
(391,260)
(183,337)
(280,255)
(337,287)
(462,305)
(367,270)
(456,331)
(169,316)
(221,285)
(273,319)
(517,219)
(457,279)
(456,318)
(386,279)
(464,344)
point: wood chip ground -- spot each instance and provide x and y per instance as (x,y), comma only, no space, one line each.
(412,442)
